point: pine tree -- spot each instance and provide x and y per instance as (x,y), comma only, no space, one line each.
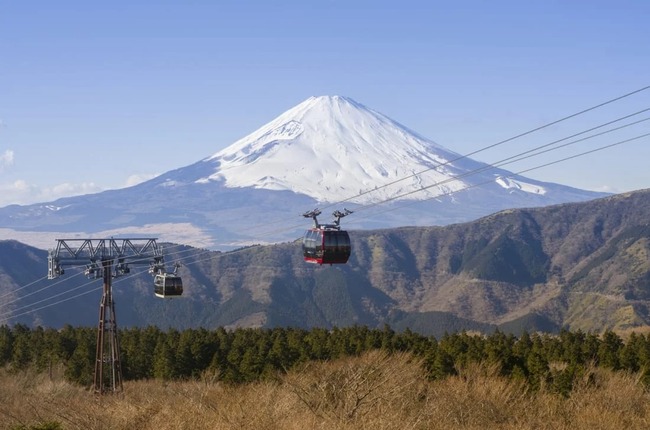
(184,359)
(590,348)
(21,354)
(164,359)
(202,349)
(129,342)
(631,353)
(442,365)
(80,367)
(537,365)
(498,348)
(573,347)
(609,350)
(317,340)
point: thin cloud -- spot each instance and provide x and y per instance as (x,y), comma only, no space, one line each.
(23,193)
(67,189)
(6,159)
(139,178)
(607,189)
(17,192)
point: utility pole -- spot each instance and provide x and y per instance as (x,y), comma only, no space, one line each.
(100,256)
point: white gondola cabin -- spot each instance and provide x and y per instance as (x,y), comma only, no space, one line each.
(167,285)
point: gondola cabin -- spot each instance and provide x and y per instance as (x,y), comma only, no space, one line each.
(326,246)
(167,285)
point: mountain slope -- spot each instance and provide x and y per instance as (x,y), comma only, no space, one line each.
(581,266)
(323,151)
(329,147)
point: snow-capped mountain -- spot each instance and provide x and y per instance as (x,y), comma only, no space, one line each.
(326,151)
(333,149)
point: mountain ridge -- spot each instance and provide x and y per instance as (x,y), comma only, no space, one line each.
(576,265)
(325,150)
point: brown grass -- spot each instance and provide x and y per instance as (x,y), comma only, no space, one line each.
(376,391)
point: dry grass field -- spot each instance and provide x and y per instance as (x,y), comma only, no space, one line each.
(375,391)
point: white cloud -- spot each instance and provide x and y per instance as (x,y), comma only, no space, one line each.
(139,178)
(20,186)
(67,189)
(22,193)
(6,159)
(17,192)
(606,189)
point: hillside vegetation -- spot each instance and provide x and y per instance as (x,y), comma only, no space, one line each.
(347,378)
(248,355)
(376,390)
(574,266)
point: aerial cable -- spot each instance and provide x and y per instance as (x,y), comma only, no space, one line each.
(462,157)
(498,143)
(210,257)
(45,300)
(525,170)
(86,284)
(509,160)
(515,158)
(3,319)
(12,313)
(22,288)
(48,286)
(592,108)
(536,151)
(611,145)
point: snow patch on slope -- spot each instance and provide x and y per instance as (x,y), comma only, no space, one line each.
(512,184)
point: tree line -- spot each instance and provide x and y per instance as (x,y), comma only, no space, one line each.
(251,354)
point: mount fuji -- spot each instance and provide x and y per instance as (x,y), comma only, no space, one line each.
(328,151)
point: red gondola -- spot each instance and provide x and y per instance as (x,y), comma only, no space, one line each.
(326,243)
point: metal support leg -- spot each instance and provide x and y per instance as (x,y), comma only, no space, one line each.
(108,368)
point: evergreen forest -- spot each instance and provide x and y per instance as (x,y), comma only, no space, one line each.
(245,355)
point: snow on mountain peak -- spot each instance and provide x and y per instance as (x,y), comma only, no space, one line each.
(333,148)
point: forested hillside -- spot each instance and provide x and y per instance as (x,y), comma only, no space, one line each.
(574,266)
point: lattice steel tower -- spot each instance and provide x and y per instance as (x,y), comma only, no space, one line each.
(106,259)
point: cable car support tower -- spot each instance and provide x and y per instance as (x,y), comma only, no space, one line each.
(106,259)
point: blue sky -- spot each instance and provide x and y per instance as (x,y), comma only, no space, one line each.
(99,95)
